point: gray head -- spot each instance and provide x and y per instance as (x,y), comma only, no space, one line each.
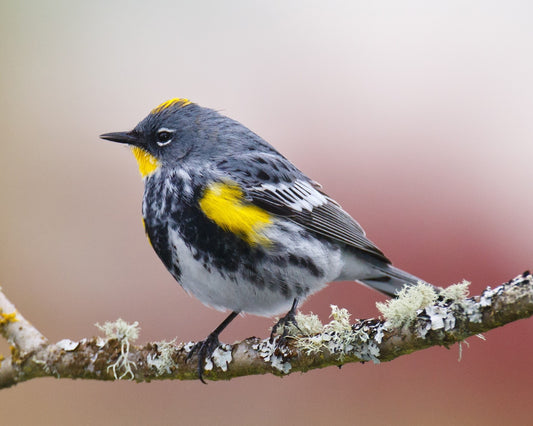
(179,130)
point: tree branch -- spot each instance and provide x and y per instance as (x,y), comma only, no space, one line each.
(417,319)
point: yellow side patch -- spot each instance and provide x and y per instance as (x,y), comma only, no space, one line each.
(182,101)
(146,161)
(224,204)
(146,232)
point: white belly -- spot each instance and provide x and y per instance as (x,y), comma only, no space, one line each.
(280,283)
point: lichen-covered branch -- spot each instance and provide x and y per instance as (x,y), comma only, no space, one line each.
(417,319)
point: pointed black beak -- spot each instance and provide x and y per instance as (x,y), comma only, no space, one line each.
(121,137)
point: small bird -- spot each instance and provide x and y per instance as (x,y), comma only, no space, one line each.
(237,224)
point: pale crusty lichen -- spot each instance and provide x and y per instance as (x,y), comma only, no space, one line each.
(67,345)
(220,357)
(442,314)
(162,361)
(340,337)
(440,318)
(125,333)
(270,352)
(339,331)
(402,310)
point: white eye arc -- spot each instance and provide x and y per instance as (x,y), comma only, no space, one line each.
(164,136)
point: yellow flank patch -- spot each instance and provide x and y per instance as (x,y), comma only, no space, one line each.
(146,161)
(146,232)
(224,204)
(182,101)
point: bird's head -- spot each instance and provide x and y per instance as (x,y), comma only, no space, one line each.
(165,137)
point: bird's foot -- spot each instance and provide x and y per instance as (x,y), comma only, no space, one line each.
(285,323)
(204,349)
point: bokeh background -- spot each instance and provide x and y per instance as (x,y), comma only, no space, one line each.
(417,116)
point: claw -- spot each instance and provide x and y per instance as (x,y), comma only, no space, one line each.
(205,349)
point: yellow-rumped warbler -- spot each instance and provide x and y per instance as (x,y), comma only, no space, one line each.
(237,224)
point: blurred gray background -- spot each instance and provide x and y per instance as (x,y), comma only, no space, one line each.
(415,115)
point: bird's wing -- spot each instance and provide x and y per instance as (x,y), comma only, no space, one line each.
(281,189)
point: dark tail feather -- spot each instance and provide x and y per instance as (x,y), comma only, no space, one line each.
(391,280)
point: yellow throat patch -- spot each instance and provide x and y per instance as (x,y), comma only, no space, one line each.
(224,204)
(146,161)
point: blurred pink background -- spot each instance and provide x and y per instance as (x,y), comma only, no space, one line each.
(416,116)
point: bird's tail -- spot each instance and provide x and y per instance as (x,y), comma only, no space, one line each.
(390,280)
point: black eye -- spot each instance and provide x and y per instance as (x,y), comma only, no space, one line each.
(164,137)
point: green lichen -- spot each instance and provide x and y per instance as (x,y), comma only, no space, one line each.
(402,310)
(456,292)
(307,324)
(338,336)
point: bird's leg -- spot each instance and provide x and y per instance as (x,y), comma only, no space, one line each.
(289,318)
(205,348)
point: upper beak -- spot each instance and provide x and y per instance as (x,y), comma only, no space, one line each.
(121,137)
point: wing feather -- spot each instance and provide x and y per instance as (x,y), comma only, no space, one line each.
(271,182)
(315,211)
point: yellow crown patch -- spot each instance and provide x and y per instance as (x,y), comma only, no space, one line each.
(181,101)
